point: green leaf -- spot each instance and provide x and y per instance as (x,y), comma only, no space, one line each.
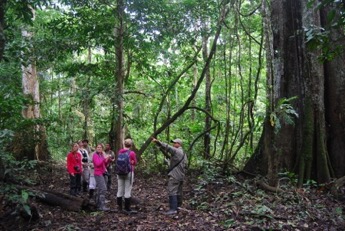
(27,209)
(331,15)
(25,196)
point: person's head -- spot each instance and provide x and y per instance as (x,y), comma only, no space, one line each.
(75,147)
(107,147)
(85,142)
(99,148)
(80,143)
(128,143)
(177,143)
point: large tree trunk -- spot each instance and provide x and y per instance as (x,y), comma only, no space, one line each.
(30,141)
(335,103)
(294,70)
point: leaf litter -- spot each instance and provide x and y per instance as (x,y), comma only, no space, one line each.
(233,203)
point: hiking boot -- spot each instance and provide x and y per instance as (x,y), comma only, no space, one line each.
(128,209)
(72,192)
(179,201)
(119,203)
(85,186)
(91,193)
(172,205)
(170,212)
(102,206)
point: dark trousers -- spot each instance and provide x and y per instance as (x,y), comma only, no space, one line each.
(75,182)
(108,178)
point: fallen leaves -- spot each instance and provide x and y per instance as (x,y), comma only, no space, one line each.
(222,204)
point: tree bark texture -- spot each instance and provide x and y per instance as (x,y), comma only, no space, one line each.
(70,203)
(86,101)
(30,141)
(208,120)
(335,103)
(295,70)
(119,76)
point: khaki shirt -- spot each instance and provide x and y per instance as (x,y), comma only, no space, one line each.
(176,154)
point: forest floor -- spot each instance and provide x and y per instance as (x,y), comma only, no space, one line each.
(231,203)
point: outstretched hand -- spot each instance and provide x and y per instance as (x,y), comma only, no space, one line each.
(154,139)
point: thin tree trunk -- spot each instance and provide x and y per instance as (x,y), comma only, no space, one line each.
(208,121)
(86,100)
(195,79)
(119,76)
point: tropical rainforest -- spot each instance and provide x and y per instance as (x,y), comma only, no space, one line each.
(253,88)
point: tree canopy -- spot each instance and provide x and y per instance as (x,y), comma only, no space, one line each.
(205,72)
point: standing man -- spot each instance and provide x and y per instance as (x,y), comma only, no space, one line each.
(110,153)
(87,147)
(176,173)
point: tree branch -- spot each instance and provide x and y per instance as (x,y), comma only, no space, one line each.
(224,13)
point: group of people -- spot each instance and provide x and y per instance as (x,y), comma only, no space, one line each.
(92,170)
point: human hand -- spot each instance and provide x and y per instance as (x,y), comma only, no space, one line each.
(154,139)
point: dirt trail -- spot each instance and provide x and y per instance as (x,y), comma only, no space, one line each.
(153,201)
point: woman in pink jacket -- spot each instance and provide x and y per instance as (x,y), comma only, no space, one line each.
(99,162)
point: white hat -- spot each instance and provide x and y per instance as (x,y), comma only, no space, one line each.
(177,141)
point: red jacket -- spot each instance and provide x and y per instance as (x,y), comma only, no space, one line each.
(74,159)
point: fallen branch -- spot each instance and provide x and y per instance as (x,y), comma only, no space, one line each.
(65,201)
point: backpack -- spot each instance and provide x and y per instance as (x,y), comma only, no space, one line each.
(85,158)
(123,166)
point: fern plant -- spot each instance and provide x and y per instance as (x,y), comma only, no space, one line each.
(284,113)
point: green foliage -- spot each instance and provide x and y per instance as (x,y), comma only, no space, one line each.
(293,177)
(20,198)
(75,56)
(283,113)
(15,171)
(310,183)
(318,38)
(11,167)
(11,100)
